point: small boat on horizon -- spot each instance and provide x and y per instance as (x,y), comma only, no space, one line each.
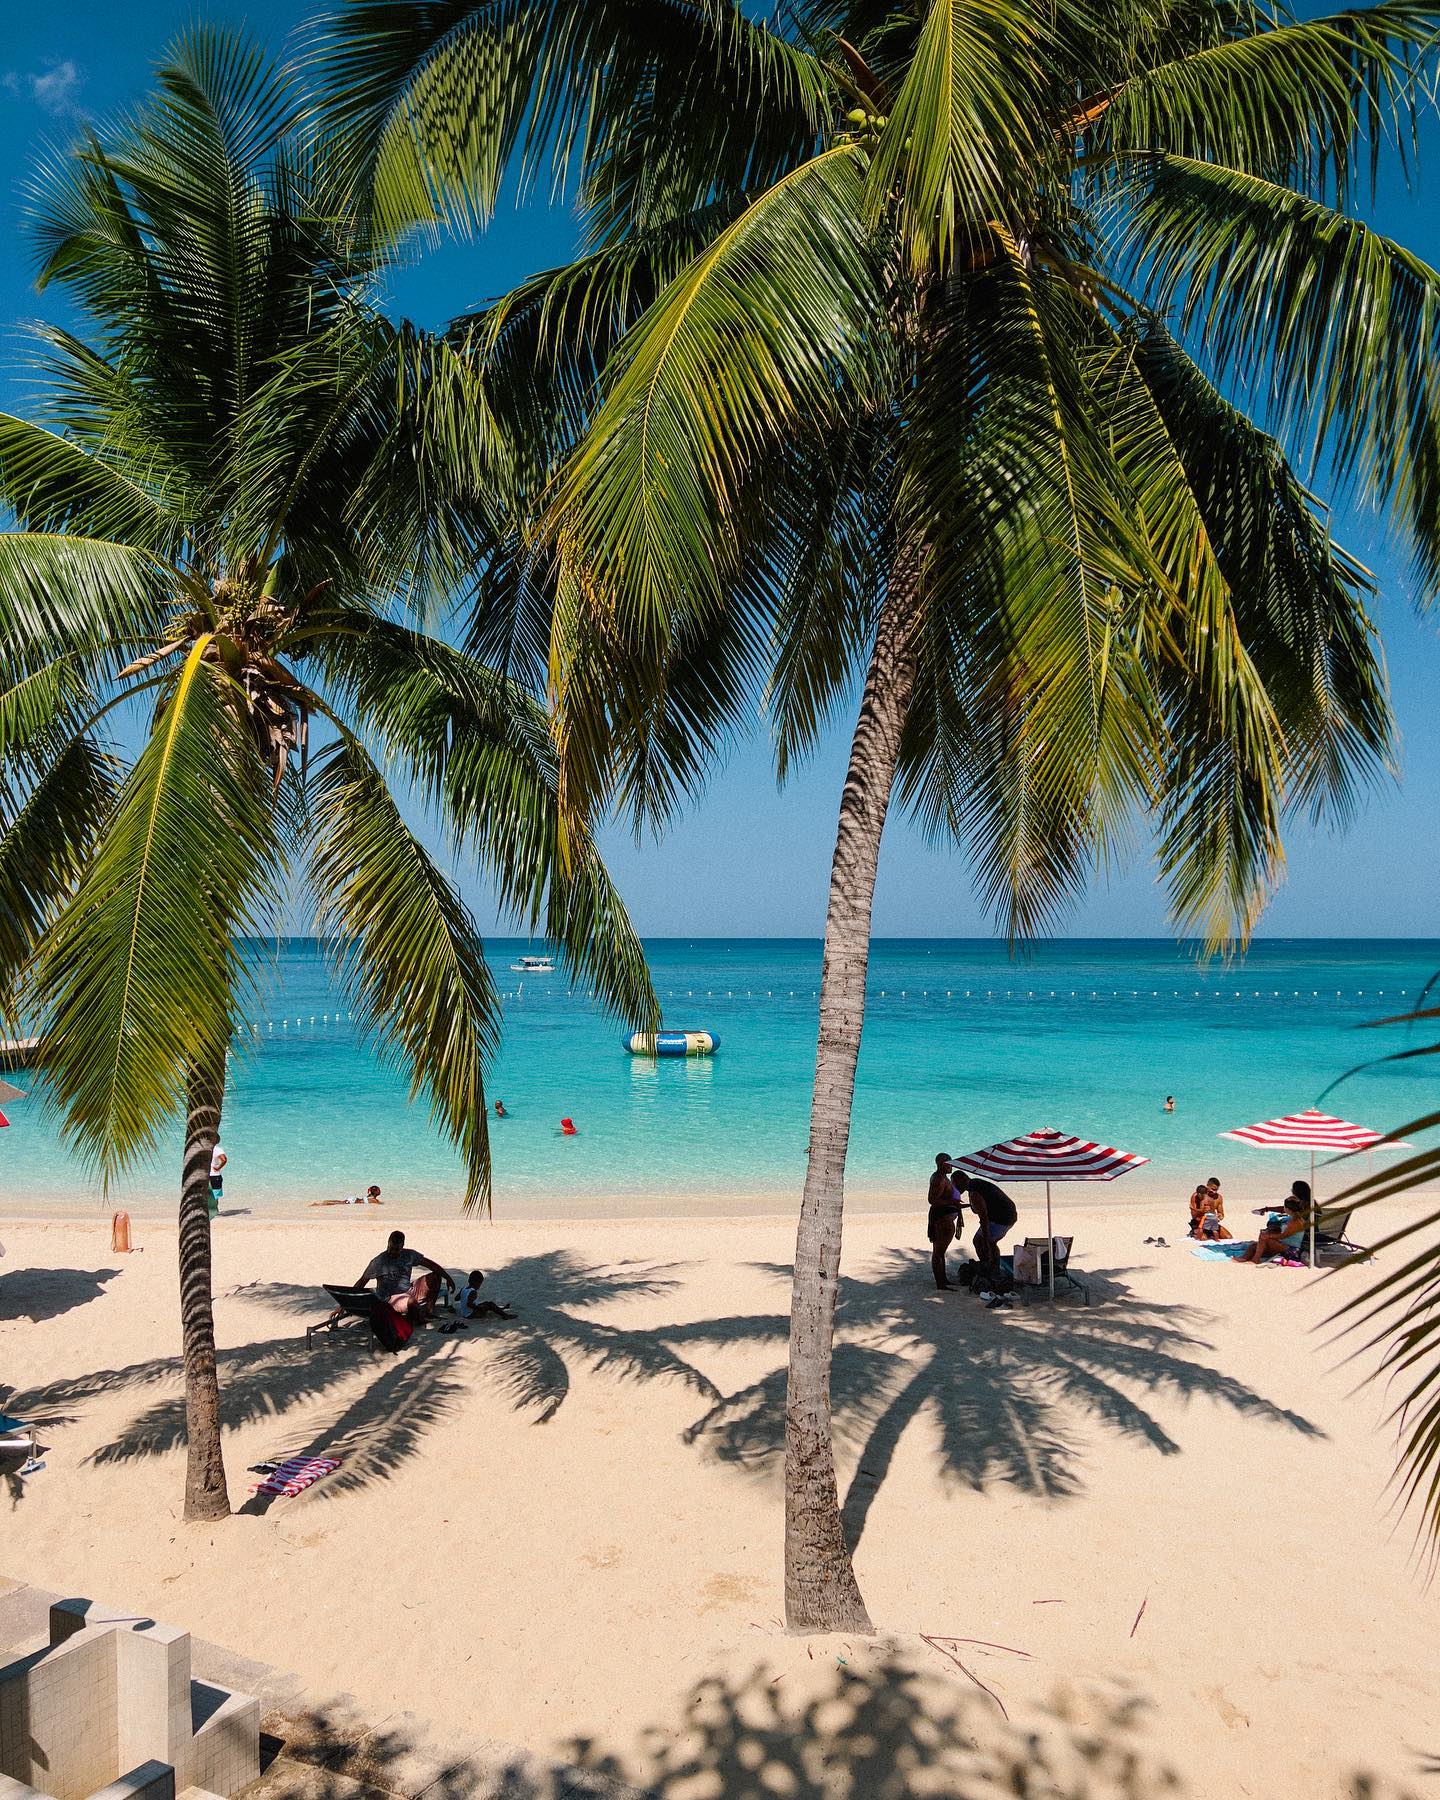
(534,965)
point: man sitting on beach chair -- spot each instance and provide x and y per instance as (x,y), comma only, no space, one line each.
(396,1282)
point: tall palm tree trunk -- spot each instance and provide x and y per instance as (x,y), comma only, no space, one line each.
(821,1593)
(206,1495)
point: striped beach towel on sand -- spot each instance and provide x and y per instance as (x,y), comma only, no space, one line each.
(295,1475)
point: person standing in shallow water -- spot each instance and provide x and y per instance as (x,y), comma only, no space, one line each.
(944,1216)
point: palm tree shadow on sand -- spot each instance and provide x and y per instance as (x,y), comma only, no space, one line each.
(384,1406)
(883,1733)
(1003,1389)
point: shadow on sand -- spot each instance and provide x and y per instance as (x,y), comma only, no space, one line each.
(38,1294)
(877,1733)
(1005,1390)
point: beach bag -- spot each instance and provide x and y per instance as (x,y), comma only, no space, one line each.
(1027,1265)
(393,1329)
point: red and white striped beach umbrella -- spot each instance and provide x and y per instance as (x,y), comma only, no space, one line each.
(1316,1132)
(1047,1156)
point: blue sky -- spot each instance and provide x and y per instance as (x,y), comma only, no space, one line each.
(749,861)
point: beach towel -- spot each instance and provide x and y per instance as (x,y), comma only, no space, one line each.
(295,1475)
(1223,1252)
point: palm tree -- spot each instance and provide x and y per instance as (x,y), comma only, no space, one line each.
(233,509)
(1399,1311)
(897,354)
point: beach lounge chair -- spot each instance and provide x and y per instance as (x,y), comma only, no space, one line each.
(353,1303)
(1332,1232)
(357,1303)
(17,1436)
(1043,1250)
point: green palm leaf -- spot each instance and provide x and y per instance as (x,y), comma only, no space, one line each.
(52,484)
(407,949)
(63,595)
(48,832)
(480,751)
(1334,325)
(432,101)
(1299,600)
(962,128)
(137,978)
(761,334)
(1292,101)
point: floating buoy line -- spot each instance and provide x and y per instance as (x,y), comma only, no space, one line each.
(307,1022)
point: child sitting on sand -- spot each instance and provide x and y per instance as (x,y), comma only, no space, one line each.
(469,1305)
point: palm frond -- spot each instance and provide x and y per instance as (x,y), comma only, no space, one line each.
(49,828)
(1034,735)
(1299,601)
(76,596)
(433,102)
(1294,101)
(52,484)
(1398,1313)
(138,976)
(962,130)
(1333,326)
(407,949)
(764,332)
(480,751)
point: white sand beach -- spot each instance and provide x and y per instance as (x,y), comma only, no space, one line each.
(1157,1530)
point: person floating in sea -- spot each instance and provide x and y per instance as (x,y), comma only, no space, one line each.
(944,1218)
(500,1112)
(371,1197)
(994,1211)
(1169,1103)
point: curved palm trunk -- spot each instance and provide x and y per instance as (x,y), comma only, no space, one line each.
(206,1496)
(821,1593)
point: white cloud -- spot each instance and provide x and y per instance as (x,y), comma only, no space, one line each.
(55,88)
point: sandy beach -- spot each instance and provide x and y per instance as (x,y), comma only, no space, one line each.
(1134,1549)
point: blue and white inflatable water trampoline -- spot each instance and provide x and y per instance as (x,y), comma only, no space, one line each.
(671,1043)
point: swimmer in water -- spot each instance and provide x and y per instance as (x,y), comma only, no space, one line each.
(500,1112)
(1169,1103)
(371,1197)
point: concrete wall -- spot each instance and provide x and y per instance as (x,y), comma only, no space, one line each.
(149,1781)
(58,1728)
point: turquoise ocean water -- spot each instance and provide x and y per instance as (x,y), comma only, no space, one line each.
(962,1046)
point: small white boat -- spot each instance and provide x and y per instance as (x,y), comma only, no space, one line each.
(534,965)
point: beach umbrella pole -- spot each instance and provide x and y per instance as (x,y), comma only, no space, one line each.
(1311,1209)
(1049,1241)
